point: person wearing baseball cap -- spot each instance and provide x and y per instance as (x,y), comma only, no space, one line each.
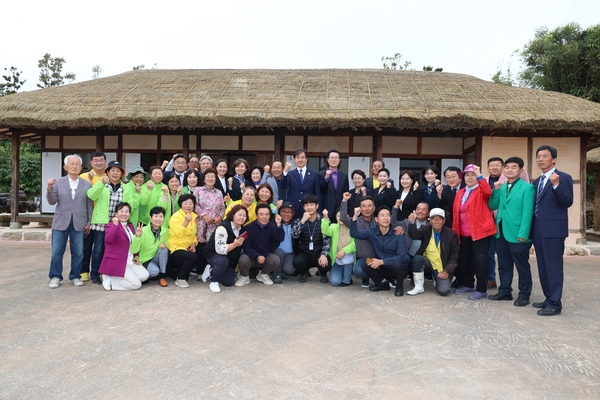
(437,255)
(285,251)
(107,193)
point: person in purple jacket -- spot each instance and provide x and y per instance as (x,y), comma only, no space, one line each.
(257,247)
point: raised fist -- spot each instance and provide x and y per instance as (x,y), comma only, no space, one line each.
(51,182)
(267,168)
(325,214)
(346,196)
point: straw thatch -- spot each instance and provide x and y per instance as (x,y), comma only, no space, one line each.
(188,99)
(593,156)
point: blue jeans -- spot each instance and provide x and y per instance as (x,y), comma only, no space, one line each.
(158,264)
(59,245)
(97,254)
(359,268)
(340,273)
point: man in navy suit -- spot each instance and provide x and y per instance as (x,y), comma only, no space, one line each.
(334,183)
(300,181)
(553,197)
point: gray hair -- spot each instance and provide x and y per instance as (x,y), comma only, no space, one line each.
(73,155)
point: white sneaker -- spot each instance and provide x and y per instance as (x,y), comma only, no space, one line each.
(264,278)
(106,281)
(243,280)
(54,283)
(214,287)
(206,273)
(182,283)
(77,282)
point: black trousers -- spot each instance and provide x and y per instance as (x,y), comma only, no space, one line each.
(304,261)
(396,271)
(181,263)
(473,262)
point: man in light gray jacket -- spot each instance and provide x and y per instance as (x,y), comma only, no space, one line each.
(71,219)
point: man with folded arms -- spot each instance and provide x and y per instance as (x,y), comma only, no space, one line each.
(257,248)
(514,201)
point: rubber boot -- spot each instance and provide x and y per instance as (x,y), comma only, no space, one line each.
(419,280)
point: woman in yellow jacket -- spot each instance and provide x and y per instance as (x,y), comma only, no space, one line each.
(182,241)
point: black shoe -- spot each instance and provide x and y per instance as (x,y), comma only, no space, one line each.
(97,281)
(455,284)
(377,288)
(285,276)
(324,279)
(547,312)
(521,302)
(302,278)
(399,291)
(500,296)
(277,279)
(365,283)
(391,282)
(344,284)
(539,304)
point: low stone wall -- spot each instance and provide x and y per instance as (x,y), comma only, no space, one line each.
(21,236)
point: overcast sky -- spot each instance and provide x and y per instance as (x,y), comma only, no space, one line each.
(470,37)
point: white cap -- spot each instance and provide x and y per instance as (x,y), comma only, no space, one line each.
(437,211)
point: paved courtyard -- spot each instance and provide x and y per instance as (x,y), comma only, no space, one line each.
(290,341)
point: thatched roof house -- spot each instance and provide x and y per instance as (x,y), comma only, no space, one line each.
(408,118)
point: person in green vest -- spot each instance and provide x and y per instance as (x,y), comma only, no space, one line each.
(136,178)
(151,193)
(150,245)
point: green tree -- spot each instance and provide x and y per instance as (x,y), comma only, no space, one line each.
(29,173)
(12,82)
(566,60)
(395,62)
(51,71)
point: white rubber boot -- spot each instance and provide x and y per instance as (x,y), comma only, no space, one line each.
(419,278)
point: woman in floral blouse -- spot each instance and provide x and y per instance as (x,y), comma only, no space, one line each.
(210,209)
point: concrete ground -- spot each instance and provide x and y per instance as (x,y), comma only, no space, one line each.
(290,341)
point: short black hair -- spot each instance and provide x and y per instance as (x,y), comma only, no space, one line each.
(157,210)
(260,206)
(434,169)
(177,156)
(310,198)
(380,209)
(495,159)
(387,171)
(185,197)
(359,172)
(333,151)
(300,151)
(516,160)
(367,198)
(121,205)
(552,150)
(452,168)
(98,154)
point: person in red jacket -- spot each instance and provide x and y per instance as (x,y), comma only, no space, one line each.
(474,224)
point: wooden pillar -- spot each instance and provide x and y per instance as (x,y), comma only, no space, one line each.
(14,207)
(582,185)
(597,203)
(377,147)
(279,146)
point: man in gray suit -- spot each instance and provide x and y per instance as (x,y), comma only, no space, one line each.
(71,219)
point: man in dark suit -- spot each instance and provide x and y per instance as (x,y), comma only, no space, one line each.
(334,183)
(454,184)
(301,181)
(72,218)
(553,197)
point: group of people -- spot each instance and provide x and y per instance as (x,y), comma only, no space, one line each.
(274,222)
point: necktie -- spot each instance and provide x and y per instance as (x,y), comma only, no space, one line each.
(454,190)
(509,187)
(334,177)
(539,194)
(300,171)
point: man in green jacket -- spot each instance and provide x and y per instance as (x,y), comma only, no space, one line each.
(514,201)
(107,193)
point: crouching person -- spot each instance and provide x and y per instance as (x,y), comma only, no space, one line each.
(224,248)
(150,244)
(437,255)
(119,271)
(257,248)
(391,259)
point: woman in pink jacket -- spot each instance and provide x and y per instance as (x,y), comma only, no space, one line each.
(474,224)
(119,271)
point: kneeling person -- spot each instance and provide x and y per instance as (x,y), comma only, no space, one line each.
(391,258)
(437,255)
(257,248)
(150,244)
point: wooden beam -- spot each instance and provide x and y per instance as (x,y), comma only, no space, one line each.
(14,207)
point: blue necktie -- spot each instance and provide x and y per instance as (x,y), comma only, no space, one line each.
(539,194)
(301,176)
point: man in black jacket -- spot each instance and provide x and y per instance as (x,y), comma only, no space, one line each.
(437,255)
(454,184)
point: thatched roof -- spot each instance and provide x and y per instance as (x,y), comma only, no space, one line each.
(593,156)
(188,99)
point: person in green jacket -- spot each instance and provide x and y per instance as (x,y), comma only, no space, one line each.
(341,252)
(192,180)
(107,193)
(152,193)
(150,245)
(136,178)
(170,198)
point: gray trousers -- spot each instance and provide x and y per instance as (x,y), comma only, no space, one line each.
(421,264)
(245,264)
